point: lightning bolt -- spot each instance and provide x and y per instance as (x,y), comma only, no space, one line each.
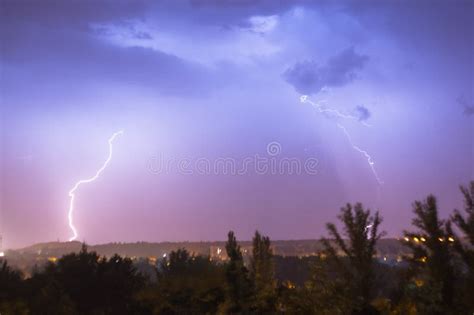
(367,155)
(331,112)
(72,192)
(367,229)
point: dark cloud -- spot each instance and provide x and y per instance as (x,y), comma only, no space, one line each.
(77,53)
(308,77)
(362,113)
(468,108)
(442,26)
(142,35)
(79,57)
(208,12)
(129,26)
(69,14)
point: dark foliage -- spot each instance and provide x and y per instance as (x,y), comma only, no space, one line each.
(238,287)
(432,261)
(353,263)
(186,284)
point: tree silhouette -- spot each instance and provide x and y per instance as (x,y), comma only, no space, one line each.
(464,222)
(186,284)
(432,259)
(466,225)
(238,288)
(262,274)
(11,290)
(85,283)
(119,281)
(353,259)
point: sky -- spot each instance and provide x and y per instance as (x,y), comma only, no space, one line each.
(198,84)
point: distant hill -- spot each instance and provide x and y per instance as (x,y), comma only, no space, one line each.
(145,249)
(25,259)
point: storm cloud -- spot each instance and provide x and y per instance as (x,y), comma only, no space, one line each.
(468,108)
(362,113)
(218,78)
(308,77)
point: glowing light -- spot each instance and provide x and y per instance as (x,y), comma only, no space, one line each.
(416,239)
(440,239)
(422,239)
(450,239)
(72,192)
(406,239)
(2,254)
(419,282)
(52,259)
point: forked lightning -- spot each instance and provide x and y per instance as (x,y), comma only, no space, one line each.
(72,192)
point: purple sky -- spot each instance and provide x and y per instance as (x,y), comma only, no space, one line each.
(203,80)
